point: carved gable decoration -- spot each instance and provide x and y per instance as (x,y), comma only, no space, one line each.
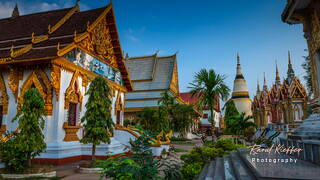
(99,42)
(174,80)
(73,93)
(39,80)
(4,98)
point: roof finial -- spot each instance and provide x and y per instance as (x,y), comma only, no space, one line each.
(238,59)
(258,88)
(290,72)
(265,86)
(15,12)
(277,74)
(289,58)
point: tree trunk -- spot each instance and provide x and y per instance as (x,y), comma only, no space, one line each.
(29,162)
(212,124)
(93,157)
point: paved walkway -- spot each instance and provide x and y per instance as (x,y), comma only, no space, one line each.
(69,171)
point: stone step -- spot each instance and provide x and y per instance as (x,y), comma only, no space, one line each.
(211,170)
(240,170)
(228,171)
(203,174)
(219,169)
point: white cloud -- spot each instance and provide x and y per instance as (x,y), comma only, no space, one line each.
(6,9)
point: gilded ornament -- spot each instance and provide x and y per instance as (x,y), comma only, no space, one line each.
(4,99)
(55,80)
(21,51)
(39,39)
(63,20)
(13,81)
(73,93)
(40,80)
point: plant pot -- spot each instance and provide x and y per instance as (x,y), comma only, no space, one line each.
(89,170)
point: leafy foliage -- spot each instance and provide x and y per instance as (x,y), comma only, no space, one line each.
(141,165)
(230,111)
(238,124)
(183,118)
(199,156)
(29,142)
(150,119)
(169,116)
(208,85)
(97,120)
(306,65)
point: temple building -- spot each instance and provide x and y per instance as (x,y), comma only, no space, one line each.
(60,52)
(307,135)
(150,76)
(284,105)
(205,125)
(240,93)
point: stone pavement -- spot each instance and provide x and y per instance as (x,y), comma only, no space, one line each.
(69,172)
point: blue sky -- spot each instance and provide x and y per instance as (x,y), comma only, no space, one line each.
(205,33)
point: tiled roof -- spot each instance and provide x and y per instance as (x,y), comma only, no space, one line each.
(151,72)
(192,99)
(17,33)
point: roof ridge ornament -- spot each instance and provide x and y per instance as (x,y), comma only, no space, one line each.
(63,20)
(15,12)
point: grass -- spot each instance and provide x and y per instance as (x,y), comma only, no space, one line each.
(187,143)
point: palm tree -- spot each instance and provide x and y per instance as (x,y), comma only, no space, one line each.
(240,123)
(207,85)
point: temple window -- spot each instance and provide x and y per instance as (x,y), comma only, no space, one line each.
(118,117)
(297,113)
(72,114)
(269,118)
(73,100)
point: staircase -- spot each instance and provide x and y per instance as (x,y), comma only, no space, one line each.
(237,166)
(228,167)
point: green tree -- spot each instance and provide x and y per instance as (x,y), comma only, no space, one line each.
(230,111)
(183,118)
(306,65)
(98,124)
(240,123)
(150,119)
(208,85)
(166,106)
(28,142)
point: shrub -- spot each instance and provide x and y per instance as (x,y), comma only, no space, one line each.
(191,170)
(29,142)
(199,156)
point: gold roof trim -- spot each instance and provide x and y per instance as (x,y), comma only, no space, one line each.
(96,22)
(78,38)
(63,20)
(65,49)
(39,39)
(3,60)
(21,51)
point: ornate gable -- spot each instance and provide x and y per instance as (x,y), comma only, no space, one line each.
(174,85)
